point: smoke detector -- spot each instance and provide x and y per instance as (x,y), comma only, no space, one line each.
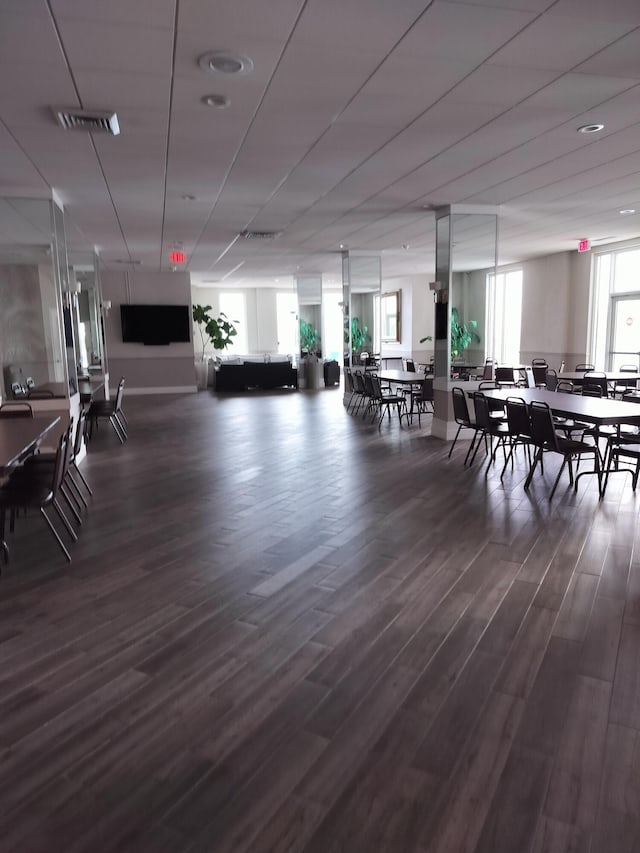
(88,120)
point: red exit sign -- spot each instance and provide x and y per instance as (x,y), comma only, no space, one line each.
(584,245)
(177,257)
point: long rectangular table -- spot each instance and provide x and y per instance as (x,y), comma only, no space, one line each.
(599,411)
(19,436)
(406,378)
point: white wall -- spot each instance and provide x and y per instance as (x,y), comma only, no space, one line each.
(147,369)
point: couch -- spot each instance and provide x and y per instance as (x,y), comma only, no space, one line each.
(255,374)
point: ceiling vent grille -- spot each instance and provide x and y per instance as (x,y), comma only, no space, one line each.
(87,120)
(260,235)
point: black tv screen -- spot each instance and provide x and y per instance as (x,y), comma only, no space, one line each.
(155,324)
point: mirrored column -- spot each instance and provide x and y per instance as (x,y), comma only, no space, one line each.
(466,252)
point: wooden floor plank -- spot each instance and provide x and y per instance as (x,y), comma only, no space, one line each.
(342,643)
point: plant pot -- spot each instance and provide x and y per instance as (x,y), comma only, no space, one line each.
(201,374)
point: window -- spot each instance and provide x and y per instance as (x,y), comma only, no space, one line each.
(614,312)
(332,333)
(390,317)
(234,306)
(504,316)
(286,322)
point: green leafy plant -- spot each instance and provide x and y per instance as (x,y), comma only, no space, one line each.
(359,335)
(218,331)
(462,334)
(309,337)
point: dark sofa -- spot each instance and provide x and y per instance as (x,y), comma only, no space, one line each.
(262,375)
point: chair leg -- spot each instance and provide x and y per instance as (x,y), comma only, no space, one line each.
(564,462)
(537,458)
(65,520)
(113,421)
(76,489)
(454,443)
(55,533)
(69,498)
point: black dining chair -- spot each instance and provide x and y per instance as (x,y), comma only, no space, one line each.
(584,367)
(463,419)
(37,492)
(623,386)
(505,377)
(596,378)
(490,428)
(546,440)
(110,410)
(16,409)
(519,429)
(422,398)
(381,402)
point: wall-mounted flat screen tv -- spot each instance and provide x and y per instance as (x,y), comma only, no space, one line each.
(155,325)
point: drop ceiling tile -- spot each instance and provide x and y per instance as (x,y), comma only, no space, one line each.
(558,43)
(102,46)
(618,60)
(142,12)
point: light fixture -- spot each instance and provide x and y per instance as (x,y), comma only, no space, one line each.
(343,246)
(590,128)
(225,62)
(187,197)
(220,102)
(627,211)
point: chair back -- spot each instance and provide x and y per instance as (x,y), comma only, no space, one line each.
(80,432)
(410,365)
(425,394)
(16,410)
(551,379)
(488,386)
(348,380)
(591,390)
(563,386)
(61,461)
(487,372)
(367,384)
(376,390)
(119,395)
(460,409)
(505,375)
(592,378)
(539,375)
(358,382)
(539,362)
(542,427)
(518,416)
(40,394)
(585,367)
(481,407)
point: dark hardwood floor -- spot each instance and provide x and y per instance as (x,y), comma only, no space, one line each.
(285,630)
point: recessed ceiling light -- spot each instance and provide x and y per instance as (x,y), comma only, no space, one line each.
(343,246)
(187,197)
(220,102)
(225,62)
(627,211)
(590,128)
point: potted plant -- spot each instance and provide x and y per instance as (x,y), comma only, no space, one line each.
(462,334)
(359,336)
(309,338)
(218,331)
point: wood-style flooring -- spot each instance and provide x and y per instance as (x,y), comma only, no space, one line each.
(286,630)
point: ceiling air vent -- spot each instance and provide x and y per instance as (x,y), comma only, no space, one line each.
(260,235)
(88,120)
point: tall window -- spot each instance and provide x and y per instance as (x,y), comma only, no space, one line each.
(235,307)
(504,316)
(332,333)
(286,322)
(614,313)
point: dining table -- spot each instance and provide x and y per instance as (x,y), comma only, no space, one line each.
(405,379)
(599,411)
(18,438)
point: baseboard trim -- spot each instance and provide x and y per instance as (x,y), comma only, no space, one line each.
(161,389)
